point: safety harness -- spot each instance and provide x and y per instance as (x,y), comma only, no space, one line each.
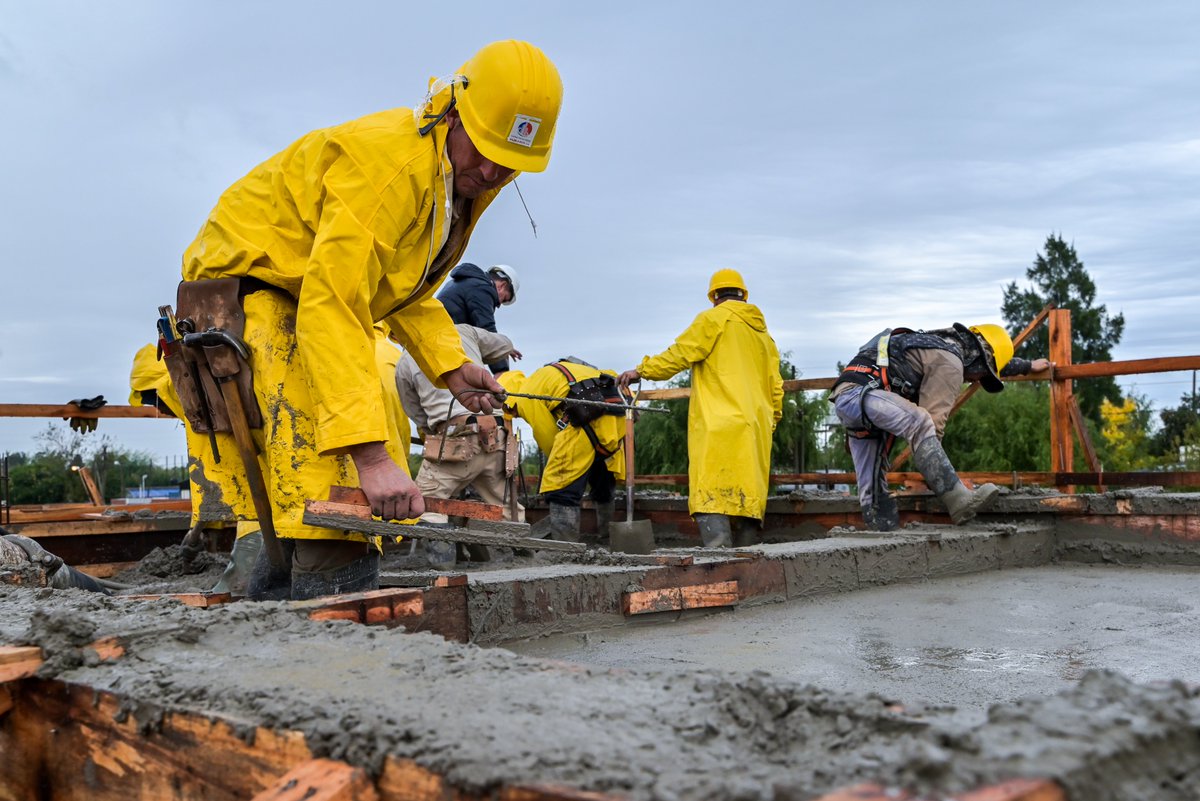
(603,388)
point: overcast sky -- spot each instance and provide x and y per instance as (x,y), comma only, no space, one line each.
(863,164)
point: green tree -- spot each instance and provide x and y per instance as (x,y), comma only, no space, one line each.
(1124,442)
(1180,429)
(1006,431)
(1059,276)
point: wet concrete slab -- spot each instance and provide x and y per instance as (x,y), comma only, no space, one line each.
(968,641)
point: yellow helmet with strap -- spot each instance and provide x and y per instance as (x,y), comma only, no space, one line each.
(997,351)
(726,279)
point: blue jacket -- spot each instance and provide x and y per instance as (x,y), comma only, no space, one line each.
(471,298)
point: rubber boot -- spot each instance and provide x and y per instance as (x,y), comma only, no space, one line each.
(745,531)
(604,516)
(266,583)
(961,503)
(564,523)
(714,530)
(360,575)
(883,515)
(241,564)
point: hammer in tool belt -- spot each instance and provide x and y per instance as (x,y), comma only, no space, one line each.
(227,355)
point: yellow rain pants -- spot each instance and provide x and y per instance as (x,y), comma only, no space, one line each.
(736,401)
(569,451)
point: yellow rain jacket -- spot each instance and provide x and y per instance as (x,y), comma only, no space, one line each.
(347,223)
(569,451)
(149,373)
(736,401)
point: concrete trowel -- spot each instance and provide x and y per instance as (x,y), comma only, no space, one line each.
(631,536)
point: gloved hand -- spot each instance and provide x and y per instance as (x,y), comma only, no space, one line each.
(85,424)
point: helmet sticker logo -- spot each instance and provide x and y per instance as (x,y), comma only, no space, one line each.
(524,128)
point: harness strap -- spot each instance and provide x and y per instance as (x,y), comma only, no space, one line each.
(591,435)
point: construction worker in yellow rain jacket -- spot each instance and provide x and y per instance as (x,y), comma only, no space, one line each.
(736,402)
(352,225)
(580,453)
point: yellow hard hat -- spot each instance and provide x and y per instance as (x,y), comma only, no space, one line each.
(727,279)
(508,101)
(997,351)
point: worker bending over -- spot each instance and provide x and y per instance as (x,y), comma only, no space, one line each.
(472,297)
(583,445)
(352,225)
(903,383)
(462,449)
(736,402)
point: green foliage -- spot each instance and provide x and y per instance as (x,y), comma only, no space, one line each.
(1059,276)
(1179,437)
(1124,443)
(46,476)
(1006,431)
(660,444)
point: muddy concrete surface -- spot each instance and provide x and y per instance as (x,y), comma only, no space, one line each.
(485,717)
(173,569)
(967,641)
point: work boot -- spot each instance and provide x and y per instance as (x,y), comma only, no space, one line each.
(266,582)
(714,530)
(241,564)
(604,516)
(561,524)
(882,515)
(745,531)
(961,503)
(360,575)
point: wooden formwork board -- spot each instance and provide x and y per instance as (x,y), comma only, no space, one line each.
(70,742)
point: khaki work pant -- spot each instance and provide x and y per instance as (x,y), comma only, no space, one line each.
(484,472)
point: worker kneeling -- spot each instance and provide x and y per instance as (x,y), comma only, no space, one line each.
(736,402)
(903,383)
(461,449)
(583,449)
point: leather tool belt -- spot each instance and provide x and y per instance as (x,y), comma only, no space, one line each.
(195,371)
(461,438)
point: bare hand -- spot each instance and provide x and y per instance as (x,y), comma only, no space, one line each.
(515,355)
(392,494)
(474,387)
(628,377)
(1039,365)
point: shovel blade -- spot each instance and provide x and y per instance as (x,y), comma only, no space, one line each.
(631,537)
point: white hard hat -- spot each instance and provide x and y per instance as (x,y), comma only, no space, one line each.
(509,274)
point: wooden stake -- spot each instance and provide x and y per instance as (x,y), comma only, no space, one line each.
(321,780)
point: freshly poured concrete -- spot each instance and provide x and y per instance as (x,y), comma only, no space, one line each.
(968,641)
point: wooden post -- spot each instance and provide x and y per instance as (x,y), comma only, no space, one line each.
(1062,445)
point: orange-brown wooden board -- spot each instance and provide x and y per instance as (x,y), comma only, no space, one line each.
(19,661)
(198,599)
(670,599)
(866,792)
(1017,790)
(446,506)
(321,780)
(374,607)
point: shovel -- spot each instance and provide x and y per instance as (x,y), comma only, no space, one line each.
(631,536)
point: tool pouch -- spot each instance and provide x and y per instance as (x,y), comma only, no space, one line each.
(213,303)
(491,436)
(443,448)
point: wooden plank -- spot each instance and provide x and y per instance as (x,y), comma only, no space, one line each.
(1164,364)
(405,780)
(372,607)
(66,410)
(75,528)
(198,599)
(445,506)
(343,522)
(55,513)
(321,780)
(552,792)
(1017,790)
(105,569)
(459,580)
(672,599)
(19,661)
(6,699)
(1062,447)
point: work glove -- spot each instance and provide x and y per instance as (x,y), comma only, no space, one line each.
(85,424)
